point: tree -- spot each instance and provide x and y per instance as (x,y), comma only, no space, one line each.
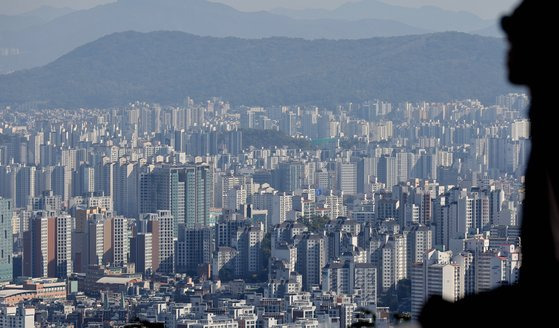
(365,318)
(315,223)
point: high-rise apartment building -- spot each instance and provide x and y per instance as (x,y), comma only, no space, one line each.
(393,262)
(161,225)
(347,178)
(48,246)
(419,240)
(6,240)
(350,278)
(311,258)
(141,252)
(17,316)
(248,243)
(186,191)
(195,247)
(281,205)
(437,275)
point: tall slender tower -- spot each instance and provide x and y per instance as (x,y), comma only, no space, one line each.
(6,240)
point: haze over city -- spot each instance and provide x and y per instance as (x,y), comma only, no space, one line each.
(254,163)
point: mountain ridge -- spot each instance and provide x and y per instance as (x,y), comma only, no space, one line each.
(166,67)
(428,18)
(39,45)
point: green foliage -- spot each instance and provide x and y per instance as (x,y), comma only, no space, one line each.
(402,317)
(349,143)
(272,138)
(226,274)
(166,67)
(365,318)
(316,223)
(266,247)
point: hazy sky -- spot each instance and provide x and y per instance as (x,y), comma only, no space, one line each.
(483,8)
(11,7)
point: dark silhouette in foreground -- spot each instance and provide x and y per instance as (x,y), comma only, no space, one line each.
(533,299)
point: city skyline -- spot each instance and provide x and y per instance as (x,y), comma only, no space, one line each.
(268,164)
(384,204)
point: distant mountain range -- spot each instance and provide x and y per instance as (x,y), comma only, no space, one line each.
(34,17)
(34,42)
(427,18)
(41,44)
(166,67)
